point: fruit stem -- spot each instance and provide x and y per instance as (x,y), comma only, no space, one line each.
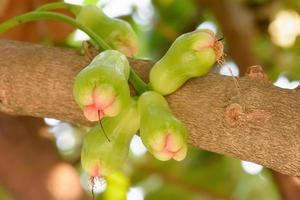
(100,123)
(75,9)
(139,85)
(40,15)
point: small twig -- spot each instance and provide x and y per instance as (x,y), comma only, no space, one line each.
(236,83)
(222,62)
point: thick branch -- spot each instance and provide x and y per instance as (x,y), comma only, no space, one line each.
(238,26)
(262,125)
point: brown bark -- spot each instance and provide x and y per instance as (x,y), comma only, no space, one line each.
(28,158)
(238,26)
(261,125)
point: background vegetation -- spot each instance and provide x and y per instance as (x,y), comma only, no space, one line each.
(255,32)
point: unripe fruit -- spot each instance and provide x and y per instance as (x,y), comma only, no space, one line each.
(191,55)
(101,88)
(117,33)
(161,132)
(100,157)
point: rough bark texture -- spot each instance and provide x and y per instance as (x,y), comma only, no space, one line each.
(231,15)
(260,125)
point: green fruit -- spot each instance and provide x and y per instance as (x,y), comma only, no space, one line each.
(117,33)
(191,55)
(100,157)
(161,132)
(101,88)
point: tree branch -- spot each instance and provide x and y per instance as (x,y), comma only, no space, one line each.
(261,125)
(239,27)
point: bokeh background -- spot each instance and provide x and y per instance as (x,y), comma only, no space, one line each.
(40,158)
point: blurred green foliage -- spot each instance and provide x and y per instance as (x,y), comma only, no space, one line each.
(90,1)
(171,19)
(202,175)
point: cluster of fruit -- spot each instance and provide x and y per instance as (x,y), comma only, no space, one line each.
(101,89)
